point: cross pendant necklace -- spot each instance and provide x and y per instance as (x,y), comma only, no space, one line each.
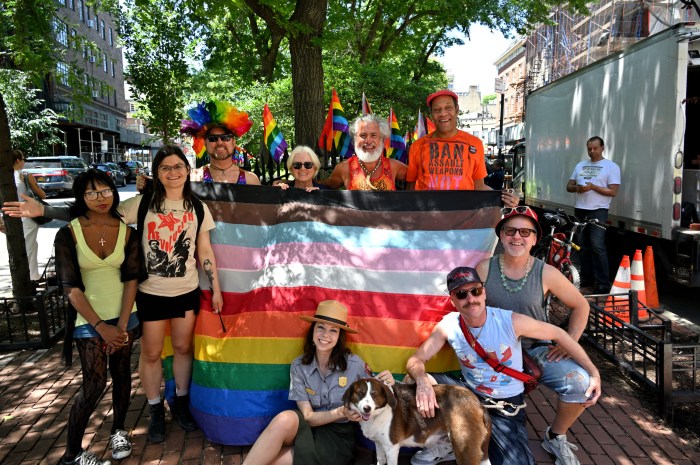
(102,240)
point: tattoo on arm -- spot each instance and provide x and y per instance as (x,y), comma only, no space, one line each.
(207,265)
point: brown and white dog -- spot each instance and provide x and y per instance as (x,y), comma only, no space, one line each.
(391,419)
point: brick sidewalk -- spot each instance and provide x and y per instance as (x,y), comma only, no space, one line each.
(36,393)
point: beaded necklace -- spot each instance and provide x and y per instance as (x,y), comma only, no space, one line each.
(370,173)
(522,280)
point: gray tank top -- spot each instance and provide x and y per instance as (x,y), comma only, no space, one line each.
(529,300)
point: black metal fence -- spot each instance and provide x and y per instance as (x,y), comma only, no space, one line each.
(646,350)
(37,321)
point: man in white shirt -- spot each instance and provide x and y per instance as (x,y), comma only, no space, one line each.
(595,183)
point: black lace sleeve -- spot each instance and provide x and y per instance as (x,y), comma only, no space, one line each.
(68,274)
(132,267)
(67,268)
(58,212)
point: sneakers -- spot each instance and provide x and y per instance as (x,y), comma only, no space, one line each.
(87,458)
(437,453)
(560,448)
(181,413)
(156,427)
(119,442)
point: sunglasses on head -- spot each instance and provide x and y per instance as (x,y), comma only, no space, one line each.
(523,209)
(307,164)
(474,291)
(223,137)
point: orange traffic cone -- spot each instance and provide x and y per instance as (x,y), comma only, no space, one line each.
(619,305)
(650,279)
(637,283)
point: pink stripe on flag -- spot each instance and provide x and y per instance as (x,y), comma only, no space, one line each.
(379,259)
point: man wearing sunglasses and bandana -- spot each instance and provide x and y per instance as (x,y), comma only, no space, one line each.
(447,158)
(519,282)
(367,169)
(499,332)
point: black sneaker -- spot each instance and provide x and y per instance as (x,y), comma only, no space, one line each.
(181,413)
(156,428)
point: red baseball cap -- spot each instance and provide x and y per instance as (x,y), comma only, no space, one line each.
(440,93)
(522,210)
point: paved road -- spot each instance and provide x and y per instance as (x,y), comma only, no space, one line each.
(680,300)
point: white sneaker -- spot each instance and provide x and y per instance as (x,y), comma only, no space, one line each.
(560,448)
(120,444)
(88,458)
(437,453)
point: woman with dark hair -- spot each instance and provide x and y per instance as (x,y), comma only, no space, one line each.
(165,296)
(318,432)
(97,262)
(25,182)
(171,296)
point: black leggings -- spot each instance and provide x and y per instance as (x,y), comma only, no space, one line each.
(93,360)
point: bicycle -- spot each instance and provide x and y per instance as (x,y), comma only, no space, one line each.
(555,248)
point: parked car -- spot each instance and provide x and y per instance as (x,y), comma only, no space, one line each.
(55,175)
(134,169)
(113,170)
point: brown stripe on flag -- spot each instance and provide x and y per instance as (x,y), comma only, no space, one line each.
(292,212)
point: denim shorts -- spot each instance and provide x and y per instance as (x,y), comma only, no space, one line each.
(565,377)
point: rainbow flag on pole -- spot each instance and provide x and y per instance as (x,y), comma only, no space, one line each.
(336,131)
(274,140)
(395,145)
(279,252)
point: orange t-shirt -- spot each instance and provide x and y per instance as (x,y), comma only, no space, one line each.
(446,164)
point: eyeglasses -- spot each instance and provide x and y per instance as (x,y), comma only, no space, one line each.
(223,137)
(474,291)
(168,169)
(523,209)
(524,232)
(107,193)
(307,164)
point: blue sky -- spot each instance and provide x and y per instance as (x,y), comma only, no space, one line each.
(472,63)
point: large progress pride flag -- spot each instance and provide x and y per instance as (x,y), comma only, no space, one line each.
(279,253)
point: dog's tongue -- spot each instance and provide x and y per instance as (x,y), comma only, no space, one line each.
(365,416)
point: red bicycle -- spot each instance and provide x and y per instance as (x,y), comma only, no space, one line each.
(555,248)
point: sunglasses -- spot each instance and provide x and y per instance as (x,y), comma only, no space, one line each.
(524,232)
(474,291)
(107,193)
(223,137)
(307,164)
(523,209)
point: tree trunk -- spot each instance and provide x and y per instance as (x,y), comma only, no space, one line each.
(19,265)
(307,70)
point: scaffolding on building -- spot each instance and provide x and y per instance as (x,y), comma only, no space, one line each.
(571,41)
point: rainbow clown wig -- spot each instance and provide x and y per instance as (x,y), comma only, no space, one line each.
(207,115)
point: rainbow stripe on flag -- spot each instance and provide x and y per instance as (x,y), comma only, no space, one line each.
(395,145)
(336,131)
(280,252)
(274,140)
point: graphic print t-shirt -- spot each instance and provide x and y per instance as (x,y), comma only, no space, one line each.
(169,241)
(446,164)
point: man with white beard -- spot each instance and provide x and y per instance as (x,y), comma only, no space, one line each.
(367,169)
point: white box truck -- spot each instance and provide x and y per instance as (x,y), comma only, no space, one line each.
(645,103)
